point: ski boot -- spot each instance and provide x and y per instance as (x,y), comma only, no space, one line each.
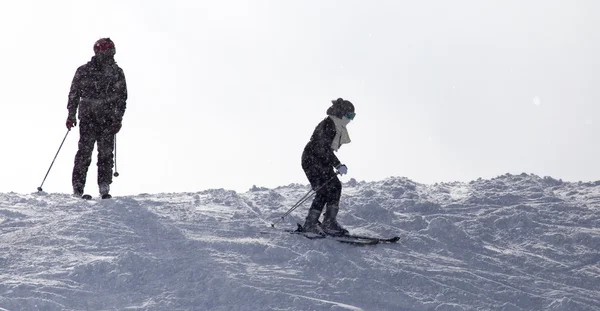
(311,225)
(104,189)
(77,192)
(330,224)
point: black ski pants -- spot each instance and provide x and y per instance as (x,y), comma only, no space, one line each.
(89,133)
(323,176)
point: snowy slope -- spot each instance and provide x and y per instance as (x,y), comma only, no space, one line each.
(510,243)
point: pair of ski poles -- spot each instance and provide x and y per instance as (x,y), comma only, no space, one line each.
(116,174)
(305,198)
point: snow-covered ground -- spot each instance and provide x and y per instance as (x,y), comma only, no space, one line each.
(510,243)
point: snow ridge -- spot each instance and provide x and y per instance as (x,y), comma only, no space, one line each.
(515,242)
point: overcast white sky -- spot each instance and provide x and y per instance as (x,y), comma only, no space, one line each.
(225,94)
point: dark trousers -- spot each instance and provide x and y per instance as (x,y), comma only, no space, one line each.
(318,176)
(89,134)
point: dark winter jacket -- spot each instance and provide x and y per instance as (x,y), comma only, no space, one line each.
(100,92)
(318,151)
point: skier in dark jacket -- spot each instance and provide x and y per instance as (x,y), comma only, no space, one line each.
(100,92)
(318,162)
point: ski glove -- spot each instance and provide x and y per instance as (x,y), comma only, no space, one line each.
(71,123)
(342,169)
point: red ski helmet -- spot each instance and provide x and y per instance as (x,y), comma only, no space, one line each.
(103,44)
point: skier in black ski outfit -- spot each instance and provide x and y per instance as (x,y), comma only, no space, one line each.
(100,92)
(318,162)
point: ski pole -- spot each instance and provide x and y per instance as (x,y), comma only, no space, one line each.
(116,174)
(61,144)
(305,198)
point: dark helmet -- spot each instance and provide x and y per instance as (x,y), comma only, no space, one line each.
(104,44)
(340,108)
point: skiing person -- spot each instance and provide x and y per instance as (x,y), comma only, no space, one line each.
(100,92)
(318,161)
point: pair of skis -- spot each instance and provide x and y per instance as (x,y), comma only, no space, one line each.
(347,238)
(89,197)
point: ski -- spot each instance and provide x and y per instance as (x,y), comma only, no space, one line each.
(341,239)
(381,240)
(348,238)
(89,197)
(393,239)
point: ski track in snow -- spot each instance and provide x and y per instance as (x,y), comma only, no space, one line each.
(515,242)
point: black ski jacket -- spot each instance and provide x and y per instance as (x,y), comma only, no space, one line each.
(318,151)
(100,91)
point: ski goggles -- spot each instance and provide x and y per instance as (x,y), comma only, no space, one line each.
(350,115)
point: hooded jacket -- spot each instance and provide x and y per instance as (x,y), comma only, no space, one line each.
(319,150)
(99,91)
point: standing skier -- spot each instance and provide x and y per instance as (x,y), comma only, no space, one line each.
(318,161)
(100,92)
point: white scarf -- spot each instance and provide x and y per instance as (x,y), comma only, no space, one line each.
(341,132)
